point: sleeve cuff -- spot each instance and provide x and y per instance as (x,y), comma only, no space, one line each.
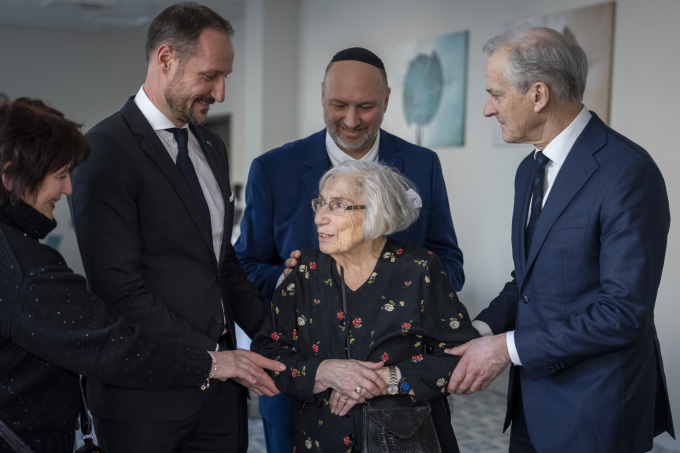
(280,280)
(512,349)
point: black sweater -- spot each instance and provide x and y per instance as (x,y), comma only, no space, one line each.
(52,329)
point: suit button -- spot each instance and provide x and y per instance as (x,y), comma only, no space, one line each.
(525,299)
(429,349)
(217,319)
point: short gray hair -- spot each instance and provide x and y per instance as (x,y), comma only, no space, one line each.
(543,55)
(384,191)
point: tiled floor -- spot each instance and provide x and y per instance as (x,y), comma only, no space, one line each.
(477,421)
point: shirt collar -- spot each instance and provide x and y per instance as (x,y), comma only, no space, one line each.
(153,115)
(558,149)
(338,156)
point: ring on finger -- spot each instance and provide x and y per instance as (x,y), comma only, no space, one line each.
(358,389)
(344,397)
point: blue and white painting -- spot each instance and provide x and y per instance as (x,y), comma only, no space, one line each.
(428,80)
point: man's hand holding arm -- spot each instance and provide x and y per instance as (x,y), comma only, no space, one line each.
(247,368)
(483,359)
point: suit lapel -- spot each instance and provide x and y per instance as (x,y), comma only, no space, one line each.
(316,163)
(388,151)
(519,216)
(577,169)
(152,146)
(220,170)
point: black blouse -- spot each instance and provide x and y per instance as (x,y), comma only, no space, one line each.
(405,314)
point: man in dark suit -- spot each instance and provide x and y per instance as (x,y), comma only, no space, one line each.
(577,320)
(153,212)
(282,183)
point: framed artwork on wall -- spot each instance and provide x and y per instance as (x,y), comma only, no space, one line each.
(428,80)
(593,28)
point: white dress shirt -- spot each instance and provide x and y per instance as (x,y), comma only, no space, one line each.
(211,191)
(338,156)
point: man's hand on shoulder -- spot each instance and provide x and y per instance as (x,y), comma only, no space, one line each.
(291,262)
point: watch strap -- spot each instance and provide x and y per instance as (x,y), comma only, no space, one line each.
(393,384)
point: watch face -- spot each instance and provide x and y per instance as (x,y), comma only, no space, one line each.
(392,389)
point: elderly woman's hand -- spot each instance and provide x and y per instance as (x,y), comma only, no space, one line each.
(351,380)
(341,404)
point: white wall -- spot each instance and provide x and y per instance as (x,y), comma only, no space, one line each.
(479,176)
(87,76)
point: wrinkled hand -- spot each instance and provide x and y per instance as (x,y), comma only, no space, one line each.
(247,368)
(291,262)
(344,376)
(483,359)
(342,404)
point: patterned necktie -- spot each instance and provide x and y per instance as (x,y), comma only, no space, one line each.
(537,194)
(187,169)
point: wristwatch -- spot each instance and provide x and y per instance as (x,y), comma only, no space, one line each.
(393,384)
(404,387)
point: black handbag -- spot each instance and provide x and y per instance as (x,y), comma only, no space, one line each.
(398,424)
(394,423)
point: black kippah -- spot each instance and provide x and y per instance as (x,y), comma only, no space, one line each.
(359,54)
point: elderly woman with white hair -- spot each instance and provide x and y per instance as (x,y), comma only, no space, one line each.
(361,323)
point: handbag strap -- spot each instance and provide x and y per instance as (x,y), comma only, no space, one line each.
(12,439)
(348,345)
(85,419)
(19,446)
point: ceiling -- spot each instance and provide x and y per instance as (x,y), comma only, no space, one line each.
(95,15)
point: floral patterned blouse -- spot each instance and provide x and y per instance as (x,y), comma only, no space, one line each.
(405,314)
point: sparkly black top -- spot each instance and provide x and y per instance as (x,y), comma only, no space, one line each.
(52,329)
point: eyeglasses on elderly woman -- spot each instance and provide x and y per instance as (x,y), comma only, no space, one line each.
(336,207)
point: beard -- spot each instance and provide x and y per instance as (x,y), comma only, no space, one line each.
(364,141)
(181,105)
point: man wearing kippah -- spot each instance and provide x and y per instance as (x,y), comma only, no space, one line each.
(278,218)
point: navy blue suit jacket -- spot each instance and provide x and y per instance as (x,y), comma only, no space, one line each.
(582,300)
(279,219)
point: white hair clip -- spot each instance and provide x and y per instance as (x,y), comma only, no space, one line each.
(414,198)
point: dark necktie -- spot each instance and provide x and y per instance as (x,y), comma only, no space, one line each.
(187,169)
(537,194)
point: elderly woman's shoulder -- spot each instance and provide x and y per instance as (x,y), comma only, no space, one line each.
(398,249)
(313,257)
